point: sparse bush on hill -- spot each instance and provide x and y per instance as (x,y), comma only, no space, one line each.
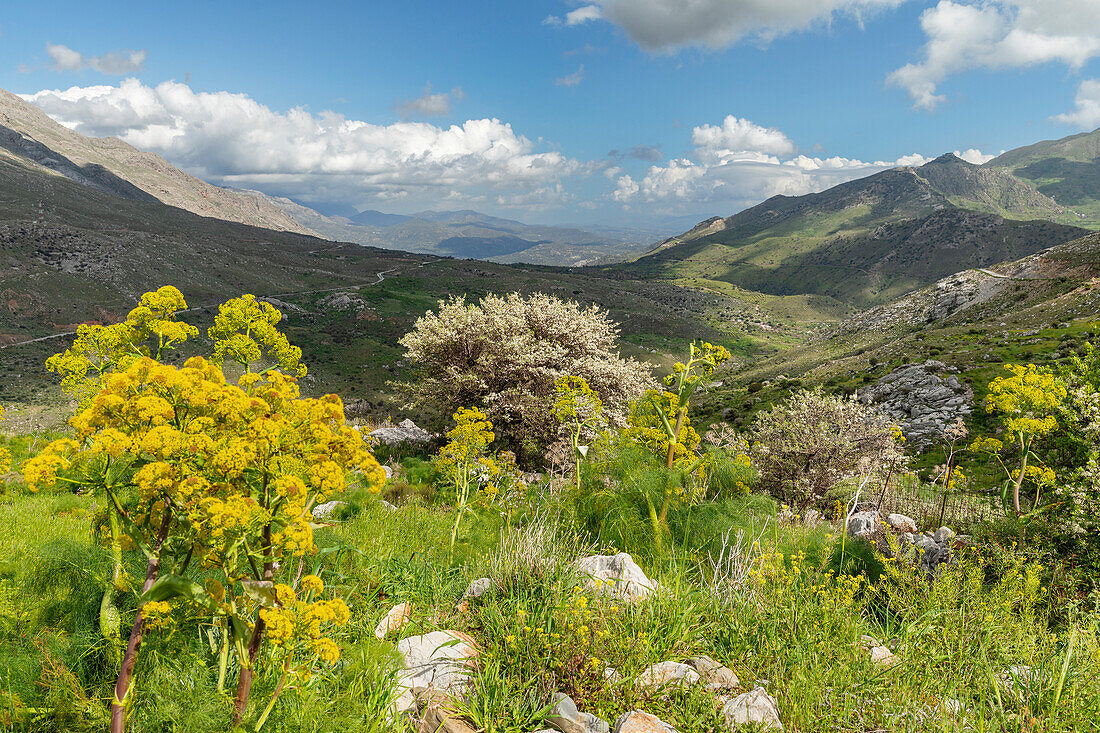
(813,441)
(505,354)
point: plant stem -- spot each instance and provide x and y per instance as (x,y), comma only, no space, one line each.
(244,681)
(126,672)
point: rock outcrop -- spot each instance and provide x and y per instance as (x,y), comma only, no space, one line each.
(439,662)
(923,399)
(405,431)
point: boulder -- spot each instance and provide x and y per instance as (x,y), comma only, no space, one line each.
(326,510)
(882,655)
(863,524)
(616,575)
(405,431)
(756,706)
(440,716)
(565,717)
(902,523)
(920,400)
(637,721)
(714,675)
(397,617)
(664,675)
(437,662)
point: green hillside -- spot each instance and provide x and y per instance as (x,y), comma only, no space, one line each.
(1066,170)
(867,241)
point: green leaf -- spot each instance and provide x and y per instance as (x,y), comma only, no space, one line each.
(582,451)
(261,591)
(175,586)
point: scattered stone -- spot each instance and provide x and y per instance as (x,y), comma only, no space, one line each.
(342,302)
(667,674)
(637,721)
(388,505)
(397,617)
(437,662)
(715,675)
(326,510)
(902,523)
(565,717)
(405,431)
(388,471)
(943,535)
(756,706)
(478,588)
(612,675)
(882,655)
(616,575)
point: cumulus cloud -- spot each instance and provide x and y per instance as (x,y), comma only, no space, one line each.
(429,104)
(666,25)
(571,80)
(998,34)
(63,58)
(231,139)
(1086,113)
(735,135)
(739,163)
(975,156)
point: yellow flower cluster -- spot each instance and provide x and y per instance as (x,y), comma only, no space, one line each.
(99,350)
(244,330)
(5,454)
(468,439)
(647,429)
(1028,400)
(297,620)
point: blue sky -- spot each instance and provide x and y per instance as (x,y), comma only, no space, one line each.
(712,105)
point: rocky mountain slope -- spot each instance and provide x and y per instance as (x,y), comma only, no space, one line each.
(111,166)
(867,241)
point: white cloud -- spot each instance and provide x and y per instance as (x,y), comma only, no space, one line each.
(666,25)
(580,16)
(231,139)
(998,34)
(583,15)
(63,58)
(975,156)
(739,163)
(1086,114)
(429,104)
(571,80)
(735,136)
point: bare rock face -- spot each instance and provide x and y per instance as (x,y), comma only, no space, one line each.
(923,399)
(637,721)
(616,575)
(756,706)
(440,716)
(439,662)
(405,431)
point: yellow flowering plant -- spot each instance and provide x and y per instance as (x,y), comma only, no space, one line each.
(466,463)
(245,331)
(1028,402)
(99,350)
(579,410)
(5,453)
(204,472)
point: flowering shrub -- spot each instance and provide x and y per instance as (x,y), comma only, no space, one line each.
(504,355)
(245,330)
(812,441)
(201,471)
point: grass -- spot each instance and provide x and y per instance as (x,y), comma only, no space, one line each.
(766,597)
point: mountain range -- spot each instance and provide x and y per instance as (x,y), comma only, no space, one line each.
(87,225)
